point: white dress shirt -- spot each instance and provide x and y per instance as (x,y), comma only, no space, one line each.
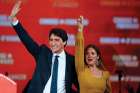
(61,74)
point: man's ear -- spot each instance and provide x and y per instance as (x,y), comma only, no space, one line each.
(64,43)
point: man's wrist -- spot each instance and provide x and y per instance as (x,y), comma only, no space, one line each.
(13,20)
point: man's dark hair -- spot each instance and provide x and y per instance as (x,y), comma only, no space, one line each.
(60,33)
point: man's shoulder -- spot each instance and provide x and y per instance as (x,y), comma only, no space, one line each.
(69,55)
(45,48)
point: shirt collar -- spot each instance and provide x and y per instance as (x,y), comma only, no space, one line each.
(62,54)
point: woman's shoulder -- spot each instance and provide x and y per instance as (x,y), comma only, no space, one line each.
(106,74)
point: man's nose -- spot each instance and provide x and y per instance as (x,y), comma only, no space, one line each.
(53,42)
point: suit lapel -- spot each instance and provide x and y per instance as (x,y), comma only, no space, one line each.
(47,62)
(67,71)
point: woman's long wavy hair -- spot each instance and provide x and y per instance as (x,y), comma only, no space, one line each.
(99,64)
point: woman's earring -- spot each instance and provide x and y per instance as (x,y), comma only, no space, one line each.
(97,63)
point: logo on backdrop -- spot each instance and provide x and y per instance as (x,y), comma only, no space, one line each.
(120,3)
(4,20)
(126,23)
(10,1)
(6,58)
(126,60)
(66,3)
(61,21)
(9,38)
(119,40)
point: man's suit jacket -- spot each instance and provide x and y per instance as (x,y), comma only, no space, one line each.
(43,57)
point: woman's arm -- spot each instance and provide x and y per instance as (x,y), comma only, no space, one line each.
(79,48)
(108,84)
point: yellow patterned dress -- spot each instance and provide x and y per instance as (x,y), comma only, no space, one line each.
(87,81)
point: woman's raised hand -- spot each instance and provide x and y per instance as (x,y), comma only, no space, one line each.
(80,23)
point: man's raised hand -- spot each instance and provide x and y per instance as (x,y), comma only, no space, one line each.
(15,9)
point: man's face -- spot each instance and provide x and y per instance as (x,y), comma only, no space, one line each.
(56,44)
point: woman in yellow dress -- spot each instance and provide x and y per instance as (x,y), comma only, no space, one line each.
(92,76)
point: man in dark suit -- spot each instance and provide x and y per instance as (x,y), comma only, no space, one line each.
(45,60)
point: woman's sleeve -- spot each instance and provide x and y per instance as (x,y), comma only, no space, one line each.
(108,84)
(79,52)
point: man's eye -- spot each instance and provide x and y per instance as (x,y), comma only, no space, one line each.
(56,39)
(50,39)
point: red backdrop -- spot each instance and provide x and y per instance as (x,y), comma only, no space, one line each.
(113,25)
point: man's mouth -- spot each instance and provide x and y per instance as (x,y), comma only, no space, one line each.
(54,47)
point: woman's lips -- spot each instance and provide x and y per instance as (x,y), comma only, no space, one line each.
(90,59)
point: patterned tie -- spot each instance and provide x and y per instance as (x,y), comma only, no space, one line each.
(54,76)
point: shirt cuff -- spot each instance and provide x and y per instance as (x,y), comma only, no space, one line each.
(15,23)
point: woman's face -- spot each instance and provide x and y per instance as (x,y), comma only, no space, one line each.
(91,56)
